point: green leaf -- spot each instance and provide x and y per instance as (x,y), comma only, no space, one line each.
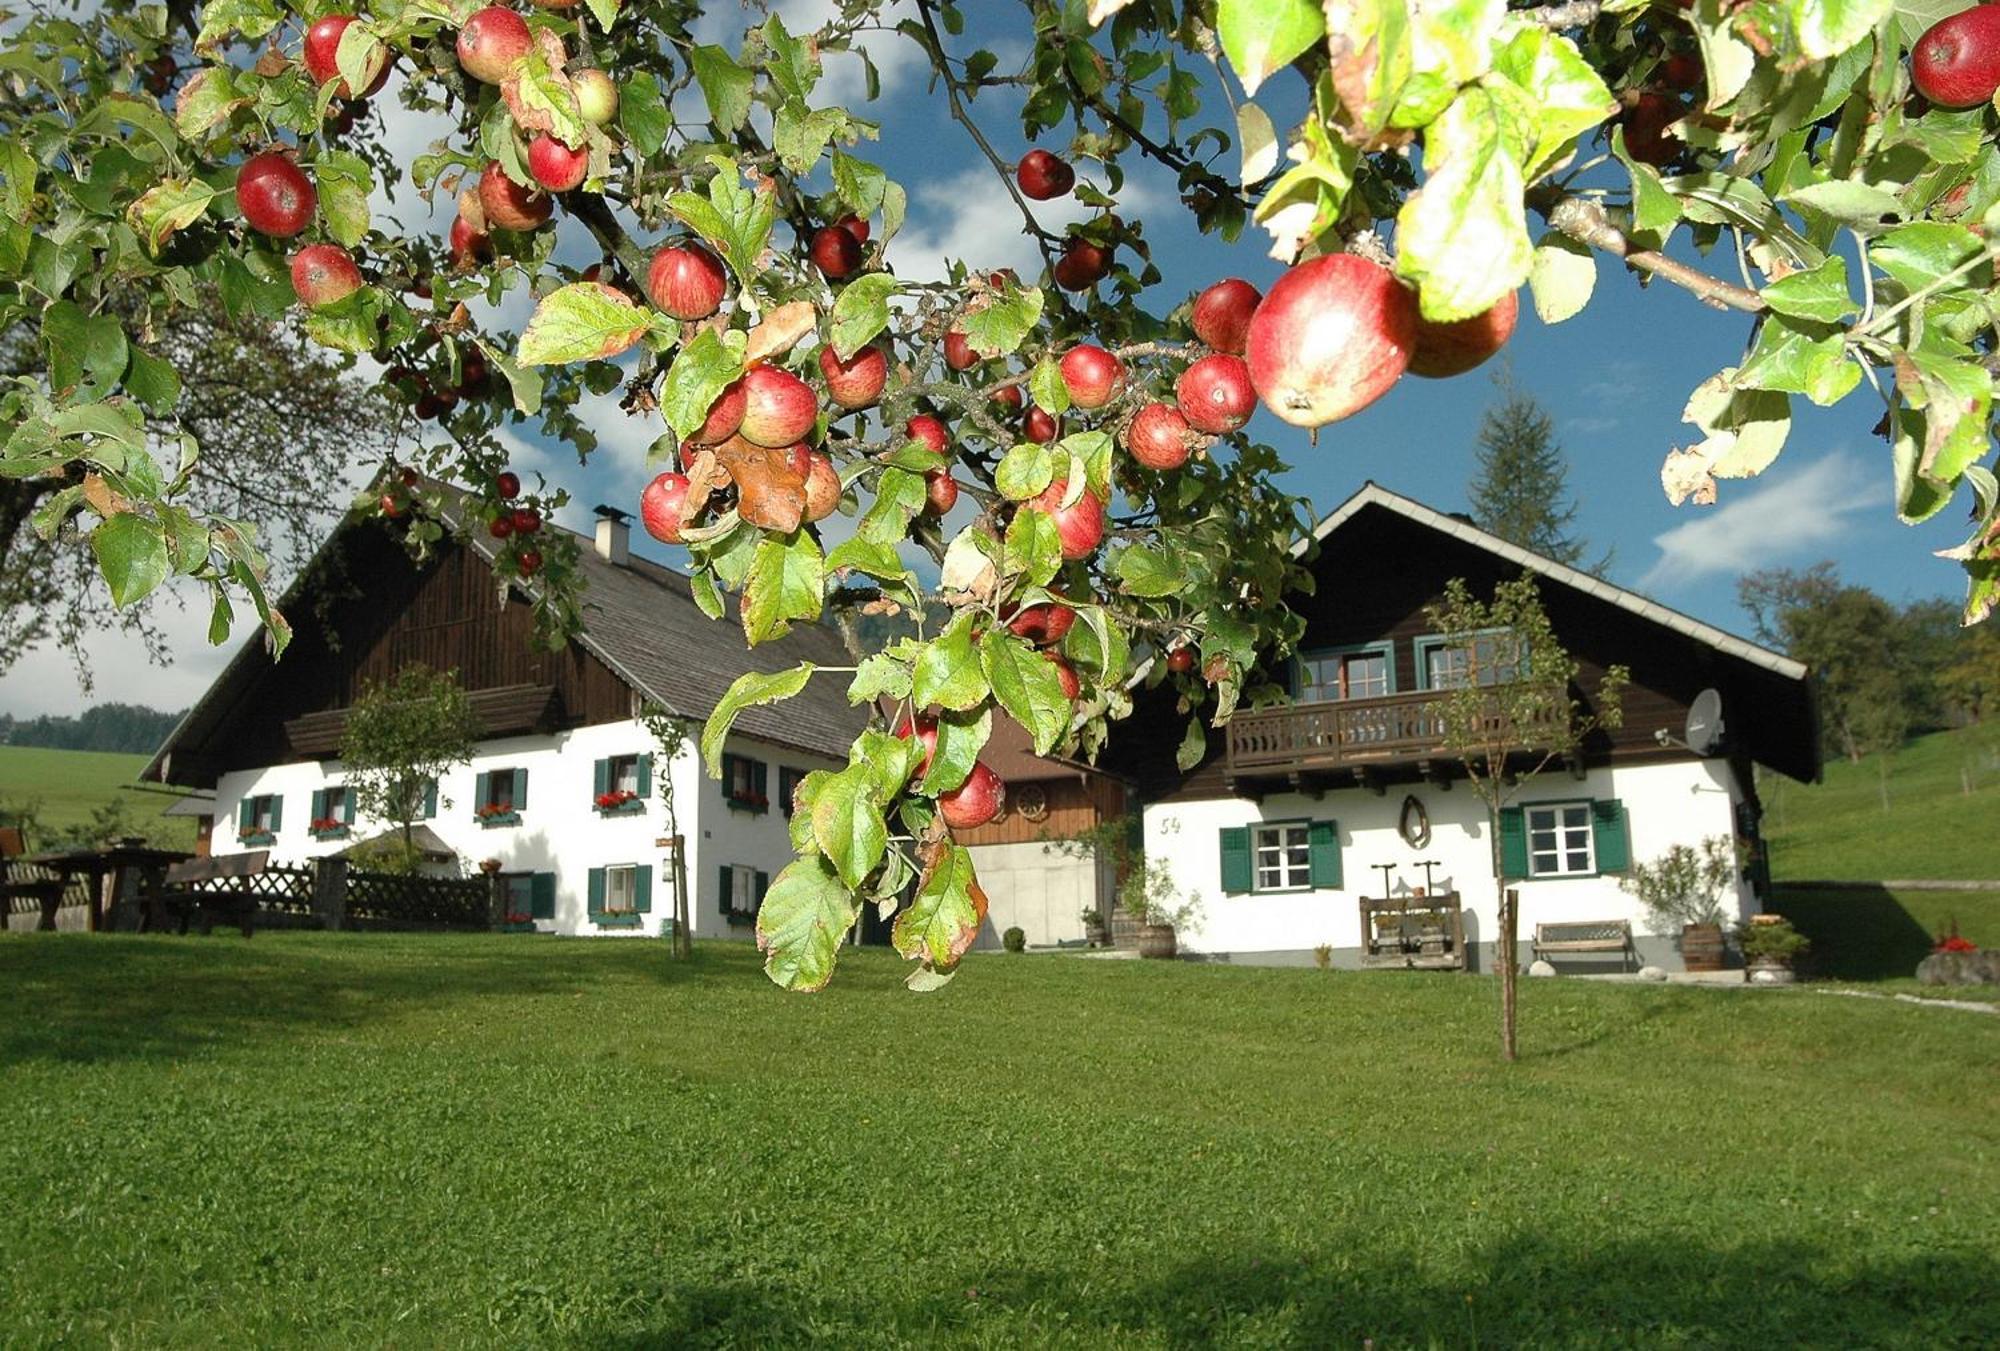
(1049,389)
(359,58)
(1654,209)
(642,113)
(1569,98)
(800,135)
(132,554)
(605,12)
(1957,397)
(1797,356)
(724,84)
(879,676)
(1027,686)
(167,207)
(1194,745)
(87,352)
(786,582)
(345,183)
(1819,293)
(221,618)
(1859,206)
(948,671)
(1034,548)
(870,557)
(583,321)
(848,826)
(999,327)
(749,690)
(1025,471)
(859,183)
(861,312)
(943,918)
(1918,255)
(794,62)
(525,384)
(1463,239)
(153,382)
(1826,28)
(206,101)
(899,496)
(1261,37)
(802,923)
(960,738)
(701,371)
(1562,277)
(1149,572)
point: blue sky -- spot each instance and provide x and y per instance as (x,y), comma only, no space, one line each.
(1615,378)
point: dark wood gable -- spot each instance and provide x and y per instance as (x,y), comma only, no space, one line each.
(366,613)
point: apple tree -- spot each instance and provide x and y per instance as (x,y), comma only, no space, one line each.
(1834,158)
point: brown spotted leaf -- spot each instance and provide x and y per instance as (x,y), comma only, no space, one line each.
(706,478)
(781,330)
(941,921)
(584,321)
(771,495)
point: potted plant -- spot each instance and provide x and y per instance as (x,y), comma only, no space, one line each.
(1096,928)
(1769,944)
(1015,939)
(1682,891)
(1151,897)
(489,866)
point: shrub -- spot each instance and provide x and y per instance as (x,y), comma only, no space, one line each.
(1684,885)
(1014,940)
(1775,939)
(1323,956)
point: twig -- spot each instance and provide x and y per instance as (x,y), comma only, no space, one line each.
(1587,223)
(1575,14)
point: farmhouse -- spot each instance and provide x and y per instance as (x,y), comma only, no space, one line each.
(562,741)
(1338,821)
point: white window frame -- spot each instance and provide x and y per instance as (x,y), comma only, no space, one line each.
(617,877)
(263,807)
(1562,835)
(622,774)
(1291,863)
(742,889)
(1489,673)
(335,800)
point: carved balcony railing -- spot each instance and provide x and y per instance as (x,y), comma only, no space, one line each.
(1395,729)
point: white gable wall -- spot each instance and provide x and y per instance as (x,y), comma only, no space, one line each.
(1665,804)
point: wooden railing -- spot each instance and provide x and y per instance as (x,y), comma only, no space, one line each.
(1352,733)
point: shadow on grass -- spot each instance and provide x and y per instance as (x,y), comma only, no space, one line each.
(1861,934)
(1527,1291)
(100,997)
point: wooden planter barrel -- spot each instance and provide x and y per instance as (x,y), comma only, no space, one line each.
(1156,940)
(1702,947)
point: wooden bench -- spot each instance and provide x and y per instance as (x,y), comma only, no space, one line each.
(18,884)
(1584,935)
(190,891)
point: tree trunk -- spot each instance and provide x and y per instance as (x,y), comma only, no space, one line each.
(1510,969)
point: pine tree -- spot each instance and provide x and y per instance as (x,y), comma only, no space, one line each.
(1521,492)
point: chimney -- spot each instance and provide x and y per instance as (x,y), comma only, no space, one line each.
(614,536)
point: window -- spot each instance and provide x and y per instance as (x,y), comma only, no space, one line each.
(1560,842)
(619,894)
(1492,658)
(264,812)
(1347,673)
(260,818)
(500,795)
(528,896)
(621,889)
(619,783)
(745,783)
(1282,855)
(742,891)
(789,780)
(332,812)
(622,774)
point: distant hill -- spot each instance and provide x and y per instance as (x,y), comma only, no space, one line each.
(128,729)
(77,797)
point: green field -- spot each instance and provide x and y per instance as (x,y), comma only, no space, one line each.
(427,1141)
(64,787)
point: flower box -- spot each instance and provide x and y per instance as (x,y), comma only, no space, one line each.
(499,814)
(748,802)
(327,828)
(624,919)
(621,802)
(258,838)
(516,922)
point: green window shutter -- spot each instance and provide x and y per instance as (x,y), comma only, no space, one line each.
(1607,828)
(763,885)
(645,776)
(246,813)
(347,806)
(722,896)
(595,904)
(1235,859)
(758,783)
(319,804)
(542,896)
(600,778)
(481,787)
(1513,843)
(1324,837)
(728,773)
(642,889)
(520,789)
(430,799)
(277,813)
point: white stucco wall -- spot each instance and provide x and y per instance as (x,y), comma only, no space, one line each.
(1665,804)
(1042,889)
(560,829)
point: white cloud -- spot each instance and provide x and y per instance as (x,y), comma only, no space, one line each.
(44,680)
(970,217)
(1784,515)
(843,78)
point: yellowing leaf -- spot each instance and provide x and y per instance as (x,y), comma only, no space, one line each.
(583,321)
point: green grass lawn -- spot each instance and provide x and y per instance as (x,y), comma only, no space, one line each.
(424,1141)
(64,787)
(1933,828)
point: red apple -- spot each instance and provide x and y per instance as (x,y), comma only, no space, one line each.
(324,274)
(1215,395)
(508,483)
(686,281)
(321,53)
(1647,139)
(1080,525)
(1330,338)
(1681,71)
(857,382)
(493,44)
(1159,437)
(940,492)
(1009,396)
(160,72)
(778,407)
(472,373)
(1071,686)
(855,226)
(1181,660)
(556,166)
(526,520)
(1091,374)
(274,195)
(976,801)
(1956,63)
(1040,426)
(1455,348)
(391,507)
(958,353)
(822,486)
(430,405)
(660,507)
(1222,313)
(510,205)
(469,244)
(529,561)
(1043,624)
(1082,265)
(500,526)
(596,95)
(924,728)
(725,415)
(1044,176)
(835,252)
(929,430)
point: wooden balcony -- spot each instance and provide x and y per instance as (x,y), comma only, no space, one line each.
(1352,741)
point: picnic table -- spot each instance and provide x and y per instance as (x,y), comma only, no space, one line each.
(115,860)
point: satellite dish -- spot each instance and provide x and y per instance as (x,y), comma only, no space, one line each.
(1704,723)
